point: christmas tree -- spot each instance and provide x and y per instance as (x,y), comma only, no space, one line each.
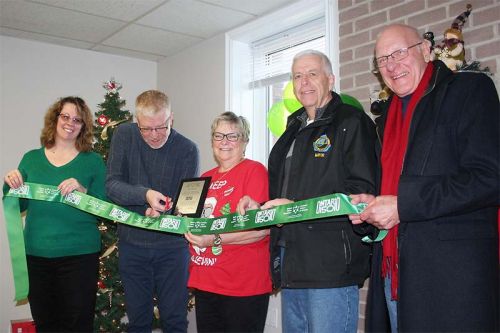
(110,304)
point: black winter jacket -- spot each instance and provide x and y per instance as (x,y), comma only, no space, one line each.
(334,154)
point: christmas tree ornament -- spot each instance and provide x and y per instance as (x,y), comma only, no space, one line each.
(102,120)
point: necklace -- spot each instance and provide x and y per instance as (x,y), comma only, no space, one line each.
(227,172)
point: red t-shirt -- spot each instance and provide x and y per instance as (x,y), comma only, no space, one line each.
(240,270)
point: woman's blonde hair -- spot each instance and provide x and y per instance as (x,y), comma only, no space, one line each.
(233,119)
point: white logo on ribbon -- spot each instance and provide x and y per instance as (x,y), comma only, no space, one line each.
(170,223)
(328,206)
(22,190)
(119,214)
(218,224)
(264,216)
(73,198)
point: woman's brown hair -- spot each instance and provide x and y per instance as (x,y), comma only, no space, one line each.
(85,137)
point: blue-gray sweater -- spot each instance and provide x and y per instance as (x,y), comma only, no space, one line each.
(134,168)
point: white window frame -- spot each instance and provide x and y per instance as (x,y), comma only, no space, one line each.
(239,97)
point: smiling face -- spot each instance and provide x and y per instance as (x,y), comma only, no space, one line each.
(69,123)
(311,83)
(228,153)
(403,76)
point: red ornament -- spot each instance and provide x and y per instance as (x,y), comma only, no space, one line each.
(101,285)
(102,120)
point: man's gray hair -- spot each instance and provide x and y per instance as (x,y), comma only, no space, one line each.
(327,65)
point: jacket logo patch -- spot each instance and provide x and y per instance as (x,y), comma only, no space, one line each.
(321,146)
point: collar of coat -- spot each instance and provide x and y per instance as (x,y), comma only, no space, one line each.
(324,112)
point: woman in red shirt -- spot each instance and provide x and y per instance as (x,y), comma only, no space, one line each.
(230,272)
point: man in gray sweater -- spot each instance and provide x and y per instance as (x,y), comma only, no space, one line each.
(147,161)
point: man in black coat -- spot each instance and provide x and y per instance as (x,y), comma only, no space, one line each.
(439,193)
(327,147)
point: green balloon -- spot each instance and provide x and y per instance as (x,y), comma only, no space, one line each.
(276,118)
(351,101)
(292,104)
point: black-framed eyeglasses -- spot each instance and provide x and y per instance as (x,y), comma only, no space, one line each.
(149,130)
(217,136)
(67,118)
(397,55)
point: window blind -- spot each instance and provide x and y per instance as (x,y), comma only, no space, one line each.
(272,56)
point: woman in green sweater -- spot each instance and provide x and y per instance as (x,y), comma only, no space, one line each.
(62,242)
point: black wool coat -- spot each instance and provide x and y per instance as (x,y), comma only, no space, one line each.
(448,198)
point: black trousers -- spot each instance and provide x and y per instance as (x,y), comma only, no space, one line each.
(220,313)
(62,292)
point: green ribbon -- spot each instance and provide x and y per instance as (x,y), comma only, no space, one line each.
(14,225)
(311,209)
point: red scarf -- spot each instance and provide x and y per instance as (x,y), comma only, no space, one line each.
(396,133)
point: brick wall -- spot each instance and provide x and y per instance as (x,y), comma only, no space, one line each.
(361,20)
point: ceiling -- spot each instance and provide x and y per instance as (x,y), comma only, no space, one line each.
(146,29)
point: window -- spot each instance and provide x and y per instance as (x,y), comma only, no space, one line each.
(259,59)
(272,58)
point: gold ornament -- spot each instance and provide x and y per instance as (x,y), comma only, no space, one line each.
(108,251)
(104,133)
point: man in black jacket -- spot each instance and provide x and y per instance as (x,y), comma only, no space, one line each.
(327,147)
(439,193)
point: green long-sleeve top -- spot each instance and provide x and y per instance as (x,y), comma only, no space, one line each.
(55,229)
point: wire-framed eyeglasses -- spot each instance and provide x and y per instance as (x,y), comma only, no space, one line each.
(397,55)
(67,118)
(150,130)
(217,136)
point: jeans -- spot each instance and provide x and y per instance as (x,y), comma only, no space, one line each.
(62,292)
(163,273)
(392,305)
(320,310)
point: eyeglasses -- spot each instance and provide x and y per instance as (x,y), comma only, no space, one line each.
(149,130)
(67,118)
(397,55)
(217,136)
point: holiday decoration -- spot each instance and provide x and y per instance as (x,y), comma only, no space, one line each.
(379,100)
(452,51)
(110,114)
(102,120)
(110,303)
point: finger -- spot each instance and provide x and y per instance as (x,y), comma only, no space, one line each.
(355,198)
(353,217)
(267,205)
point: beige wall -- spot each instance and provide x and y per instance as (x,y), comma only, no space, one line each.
(33,75)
